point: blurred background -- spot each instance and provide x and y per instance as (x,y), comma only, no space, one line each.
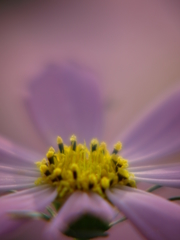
(134,46)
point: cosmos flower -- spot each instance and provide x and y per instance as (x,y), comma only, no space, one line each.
(90,181)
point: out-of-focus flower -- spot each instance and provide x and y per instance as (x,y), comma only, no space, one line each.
(92,183)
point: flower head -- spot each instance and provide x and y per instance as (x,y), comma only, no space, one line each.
(75,167)
(88,186)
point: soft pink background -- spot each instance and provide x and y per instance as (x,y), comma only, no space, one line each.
(134,46)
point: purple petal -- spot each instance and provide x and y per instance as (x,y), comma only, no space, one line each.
(78,204)
(168,167)
(17,168)
(155,217)
(65,100)
(25,232)
(18,185)
(14,156)
(31,199)
(33,230)
(35,199)
(156,134)
(165,175)
(162,182)
(15,178)
(20,171)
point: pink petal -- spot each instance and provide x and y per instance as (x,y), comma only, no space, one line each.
(20,171)
(16,178)
(169,153)
(162,182)
(35,199)
(65,100)
(18,186)
(17,167)
(164,175)
(14,156)
(78,204)
(31,199)
(155,217)
(33,230)
(168,166)
(156,134)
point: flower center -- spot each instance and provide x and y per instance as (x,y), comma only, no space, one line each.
(75,167)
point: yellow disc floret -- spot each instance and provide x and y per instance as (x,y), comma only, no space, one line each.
(105,183)
(50,156)
(92,181)
(75,167)
(59,140)
(117,147)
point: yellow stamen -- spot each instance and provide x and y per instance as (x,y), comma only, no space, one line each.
(44,169)
(73,142)
(76,167)
(49,156)
(94,145)
(60,144)
(92,181)
(52,149)
(59,140)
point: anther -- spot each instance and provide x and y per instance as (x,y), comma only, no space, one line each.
(94,144)
(103,147)
(52,149)
(92,181)
(105,183)
(44,169)
(120,177)
(50,157)
(57,174)
(75,174)
(47,173)
(117,147)
(118,165)
(131,183)
(60,144)
(111,182)
(73,142)
(114,159)
(74,168)
(122,174)
(111,177)
(44,161)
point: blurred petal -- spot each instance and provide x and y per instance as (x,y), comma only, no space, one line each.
(80,203)
(155,135)
(168,166)
(18,171)
(66,100)
(162,182)
(17,168)
(18,185)
(14,156)
(165,175)
(38,226)
(16,178)
(155,156)
(155,217)
(35,199)
(31,199)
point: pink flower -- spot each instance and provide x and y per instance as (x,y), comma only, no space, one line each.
(64,101)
